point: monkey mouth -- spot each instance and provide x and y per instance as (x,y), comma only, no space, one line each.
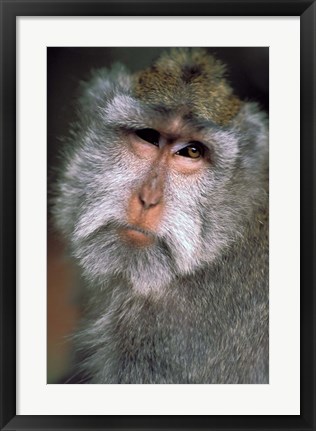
(137,236)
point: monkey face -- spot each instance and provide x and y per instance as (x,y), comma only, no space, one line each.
(149,191)
(160,153)
(137,208)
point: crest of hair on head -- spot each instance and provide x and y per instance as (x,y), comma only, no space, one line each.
(189,77)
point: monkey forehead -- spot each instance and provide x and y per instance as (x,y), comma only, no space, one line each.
(205,103)
(128,112)
(178,125)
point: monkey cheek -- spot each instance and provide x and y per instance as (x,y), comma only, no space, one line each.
(136,238)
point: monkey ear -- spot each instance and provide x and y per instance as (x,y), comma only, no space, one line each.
(252,126)
(103,85)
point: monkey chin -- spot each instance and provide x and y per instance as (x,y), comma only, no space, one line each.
(136,237)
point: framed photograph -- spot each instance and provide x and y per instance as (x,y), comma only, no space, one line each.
(126,176)
(139,234)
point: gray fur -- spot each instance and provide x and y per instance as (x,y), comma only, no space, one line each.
(192,308)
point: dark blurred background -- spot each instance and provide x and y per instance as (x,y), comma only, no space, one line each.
(248,72)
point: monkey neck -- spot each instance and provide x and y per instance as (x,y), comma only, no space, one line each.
(217,300)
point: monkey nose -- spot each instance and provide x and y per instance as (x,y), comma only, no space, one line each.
(150,197)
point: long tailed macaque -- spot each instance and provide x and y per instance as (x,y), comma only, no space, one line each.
(163,200)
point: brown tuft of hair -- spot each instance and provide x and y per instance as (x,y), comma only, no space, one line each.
(189,77)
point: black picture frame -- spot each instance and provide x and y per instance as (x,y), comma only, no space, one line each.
(10,9)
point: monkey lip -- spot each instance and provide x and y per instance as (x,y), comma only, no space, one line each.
(137,236)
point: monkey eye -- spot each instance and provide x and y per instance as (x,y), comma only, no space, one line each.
(194,150)
(149,135)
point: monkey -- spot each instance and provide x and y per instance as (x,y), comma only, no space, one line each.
(162,198)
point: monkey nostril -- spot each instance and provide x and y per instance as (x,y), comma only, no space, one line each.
(149,200)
